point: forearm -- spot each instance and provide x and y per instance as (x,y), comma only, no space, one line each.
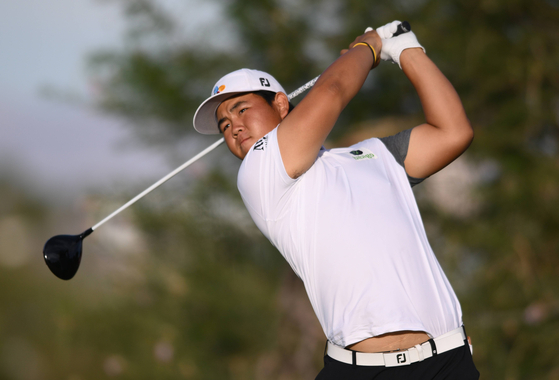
(344,78)
(441,103)
(304,130)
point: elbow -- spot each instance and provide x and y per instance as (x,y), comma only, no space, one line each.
(463,135)
(468,133)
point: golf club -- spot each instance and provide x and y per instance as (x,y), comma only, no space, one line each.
(63,253)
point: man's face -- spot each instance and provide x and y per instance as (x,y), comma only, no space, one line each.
(244,120)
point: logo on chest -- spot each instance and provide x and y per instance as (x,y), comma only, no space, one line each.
(261,144)
(362,154)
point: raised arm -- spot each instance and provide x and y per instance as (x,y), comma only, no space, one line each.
(304,130)
(447,132)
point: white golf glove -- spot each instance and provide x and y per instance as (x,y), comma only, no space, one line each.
(392,47)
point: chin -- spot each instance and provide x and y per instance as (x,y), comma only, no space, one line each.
(239,154)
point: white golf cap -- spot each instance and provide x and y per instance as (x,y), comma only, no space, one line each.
(237,82)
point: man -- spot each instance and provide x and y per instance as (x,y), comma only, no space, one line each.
(346,219)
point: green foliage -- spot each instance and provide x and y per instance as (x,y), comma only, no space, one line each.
(502,58)
(212,290)
(202,300)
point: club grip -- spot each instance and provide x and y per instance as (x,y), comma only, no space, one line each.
(404,27)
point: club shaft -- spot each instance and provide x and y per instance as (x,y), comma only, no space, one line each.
(303,88)
(295,93)
(161,181)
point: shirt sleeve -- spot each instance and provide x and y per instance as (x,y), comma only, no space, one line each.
(263,182)
(398,145)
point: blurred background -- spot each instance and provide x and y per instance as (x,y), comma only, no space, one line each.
(96,103)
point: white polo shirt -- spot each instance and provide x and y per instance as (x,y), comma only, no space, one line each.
(351,230)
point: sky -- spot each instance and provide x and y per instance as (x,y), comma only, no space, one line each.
(56,147)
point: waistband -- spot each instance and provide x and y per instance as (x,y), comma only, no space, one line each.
(449,341)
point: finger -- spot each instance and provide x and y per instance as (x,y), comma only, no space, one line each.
(394,26)
(344,51)
(382,32)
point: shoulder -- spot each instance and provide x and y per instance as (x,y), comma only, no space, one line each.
(260,154)
(263,166)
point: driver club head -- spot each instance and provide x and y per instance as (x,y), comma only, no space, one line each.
(63,253)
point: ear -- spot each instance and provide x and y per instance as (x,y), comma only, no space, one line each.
(281,103)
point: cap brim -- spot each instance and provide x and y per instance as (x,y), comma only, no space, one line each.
(204,119)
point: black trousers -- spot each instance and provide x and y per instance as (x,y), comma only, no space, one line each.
(455,364)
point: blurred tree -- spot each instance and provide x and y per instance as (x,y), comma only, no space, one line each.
(501,256)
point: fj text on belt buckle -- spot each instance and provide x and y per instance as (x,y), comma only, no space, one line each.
(395,359)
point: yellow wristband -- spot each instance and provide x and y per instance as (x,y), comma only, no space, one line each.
(375,60)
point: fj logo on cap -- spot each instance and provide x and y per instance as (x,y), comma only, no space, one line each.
(264,82)
(362,154)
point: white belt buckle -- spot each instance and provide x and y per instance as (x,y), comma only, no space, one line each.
(396,359)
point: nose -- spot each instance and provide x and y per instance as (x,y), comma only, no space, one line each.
(236,127)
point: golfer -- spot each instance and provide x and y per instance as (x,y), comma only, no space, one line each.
(346,219)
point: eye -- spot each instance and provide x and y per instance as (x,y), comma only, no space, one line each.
(223,126)
(242,110)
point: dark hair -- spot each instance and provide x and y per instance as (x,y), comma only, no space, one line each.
(269,97)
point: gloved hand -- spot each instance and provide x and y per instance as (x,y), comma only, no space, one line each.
(392,47)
